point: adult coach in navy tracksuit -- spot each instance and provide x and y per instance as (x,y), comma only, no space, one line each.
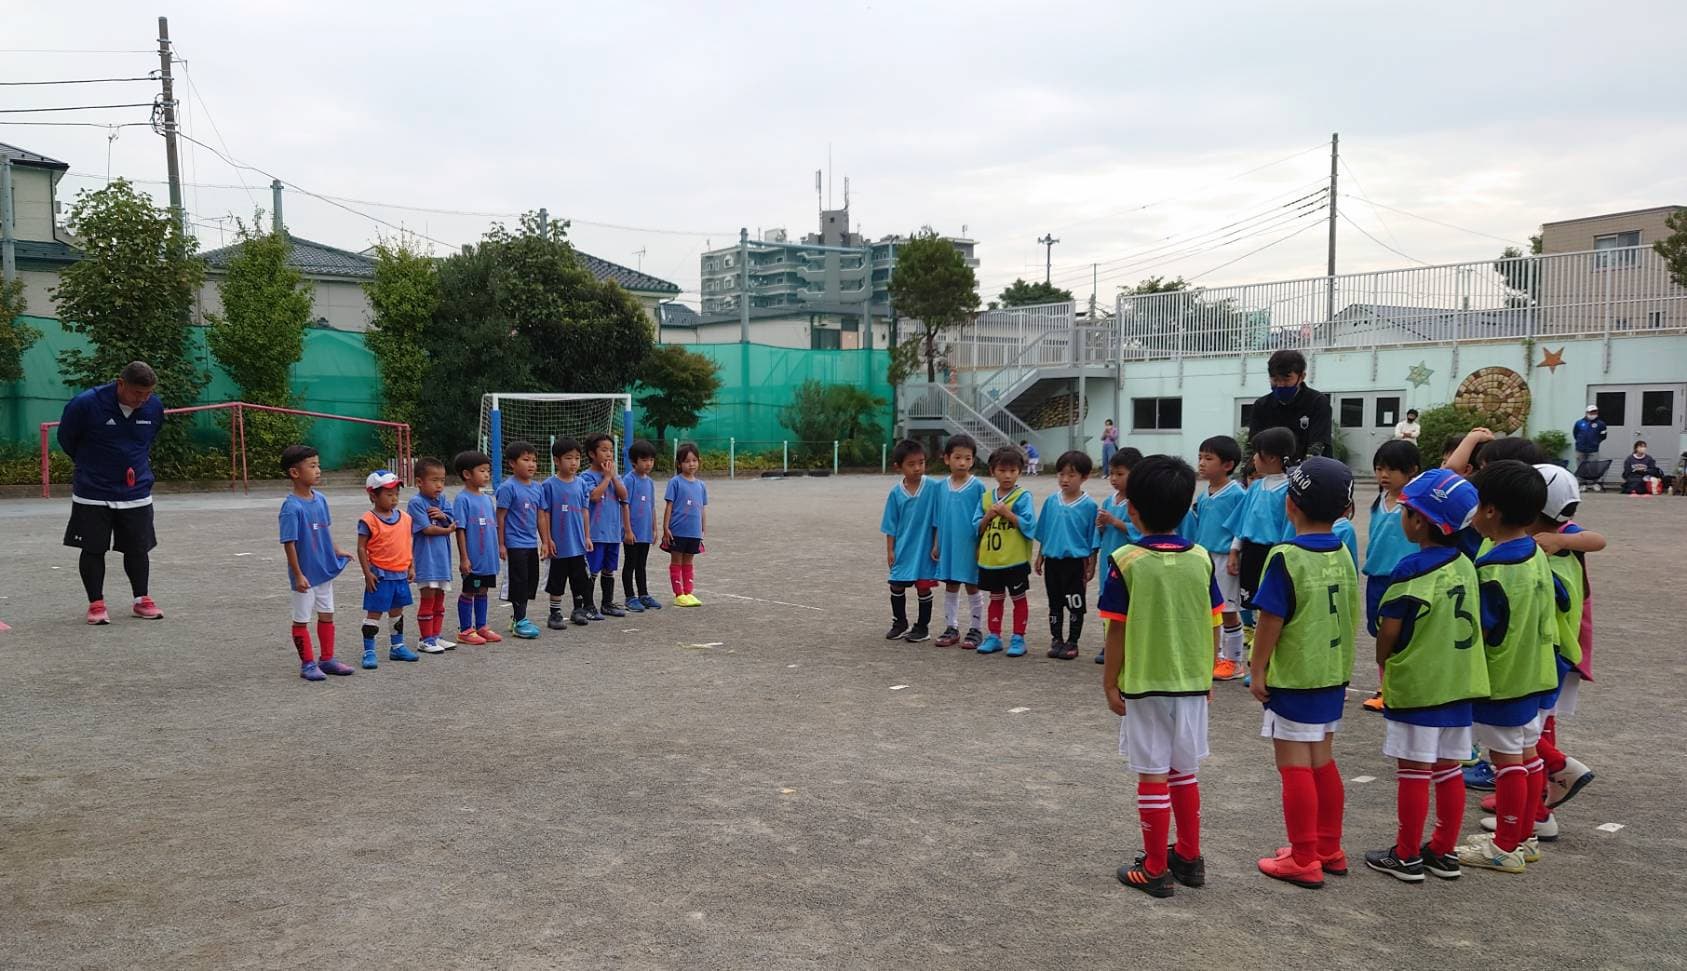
(1295,405)
(108,431)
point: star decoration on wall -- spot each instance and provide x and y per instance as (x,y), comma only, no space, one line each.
(1419,374)
(1551,359)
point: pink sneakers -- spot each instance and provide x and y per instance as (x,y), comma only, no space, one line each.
(147,610)
(97,613)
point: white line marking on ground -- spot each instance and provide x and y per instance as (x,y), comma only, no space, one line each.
(629,630)
(897,687)
(781,603)
(56,568)
(711,644)
(790,665)
(242,554)
(1609,827)
(787,792)
(1015,711)
(1364,778)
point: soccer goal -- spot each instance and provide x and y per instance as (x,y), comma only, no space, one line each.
(543,418)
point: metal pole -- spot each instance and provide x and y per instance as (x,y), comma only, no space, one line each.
(744,287)
(1047,241)
(867,295)
(1330,297)
(8,234)
(884,456)
(172,161)
(787,459)
(544,221)
(731,457)
(276,224)
(834,456)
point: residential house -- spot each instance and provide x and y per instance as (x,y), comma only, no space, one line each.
(40,247)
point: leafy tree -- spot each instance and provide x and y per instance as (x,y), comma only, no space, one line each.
(15,335)
(1443,421)
(1157,284)
(471,348)
(1522,280)
(819,414)
(678,386)
(1673,248)
(403,296)
(260,334)
(1022,294)
(933,285)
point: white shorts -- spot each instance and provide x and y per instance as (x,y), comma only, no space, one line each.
(1510,739)
(1229,587)
(319,599)
(433,585)
(1164,733)
(1567,695)
(1426,743)
(1276,726)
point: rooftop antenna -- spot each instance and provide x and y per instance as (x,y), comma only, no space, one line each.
(846,192)
(828,175)
(640,254)
(819,200)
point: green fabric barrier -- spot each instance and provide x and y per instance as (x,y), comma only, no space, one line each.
(757,382)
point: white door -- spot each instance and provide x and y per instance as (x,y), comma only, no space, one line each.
(1363,421)
(1653,413)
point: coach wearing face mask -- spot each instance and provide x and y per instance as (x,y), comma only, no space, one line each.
(1295,405)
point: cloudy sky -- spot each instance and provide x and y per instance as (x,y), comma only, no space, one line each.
(1150,138)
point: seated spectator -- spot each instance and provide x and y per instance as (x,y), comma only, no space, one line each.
(1637,468)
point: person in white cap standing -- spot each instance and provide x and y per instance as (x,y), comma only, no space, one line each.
(1588,433)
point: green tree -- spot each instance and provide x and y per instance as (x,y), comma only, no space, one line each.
(260,334)
(677,386)
(15,335)
(403,297)
(1441,422)
(1522,279)
(1157,284)
(131,293)
(819,414)
(1673,248)
(1022,294)
(933,285)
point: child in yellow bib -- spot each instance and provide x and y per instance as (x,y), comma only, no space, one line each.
(1006,521)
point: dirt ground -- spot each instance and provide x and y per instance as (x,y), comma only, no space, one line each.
(760,782)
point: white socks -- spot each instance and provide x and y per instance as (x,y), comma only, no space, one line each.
(951,606)
(1230,643)
(977,611)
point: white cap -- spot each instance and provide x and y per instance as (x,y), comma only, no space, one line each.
(1592,408)
(381,479)
(1562,494)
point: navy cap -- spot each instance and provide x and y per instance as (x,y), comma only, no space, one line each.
(1322,488)
(1442,497)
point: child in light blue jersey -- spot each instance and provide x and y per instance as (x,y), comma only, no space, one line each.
(1208,526)
(1343,530)
(518,498)
(431,527)
(909,525)
(641,527)
(609,520)
(1066,551)
(1261,520)
(1396,463)
(313,561)
(1113,525)
(476,517)
(565,537)
(956,550)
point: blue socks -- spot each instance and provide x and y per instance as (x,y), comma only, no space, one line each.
(397,638)
(465,613)
(480,604)
(371,630)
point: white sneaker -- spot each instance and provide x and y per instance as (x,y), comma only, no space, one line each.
(430,646)
(445,644)
(1545,830)
(1562,786)
(1481,852)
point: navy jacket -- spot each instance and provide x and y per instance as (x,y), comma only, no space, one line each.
(1589,434)
(111,452)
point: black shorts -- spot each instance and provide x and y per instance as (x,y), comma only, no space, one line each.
(96,529)
(1063,578)
(523,570)
(1251,563)
(685,544)
(479,584)
(1013,579)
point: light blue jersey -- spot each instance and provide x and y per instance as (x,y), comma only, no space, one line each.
(1261,516)
(1208,524)
(432,554)
(957,537)
(1343,528)
(641,506)
(911,520)
(1386,545)
(1106,539)
(1066,530)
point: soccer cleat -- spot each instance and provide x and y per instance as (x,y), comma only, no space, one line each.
(579,617)
(430,645)
(1481,852)
(592,613)
(1228,670)
(1070,652)
(649,602)
(1190,873)
(635,605)
(1445,867)
(398,652)
(335,666)
(1546,830)
(692,601)
(442,642)
(1562,786)
(524,629)
(917,633)
(1335,865)
(1386,861)
(972,638)
(1479,776)
(147,610)
(949,638)
(1057,647)
(613,609)
(897,627)
(556,621)
(687,600)
(310,672)
(1284,868)
(369,662)
(989,645)
(97,613)
(470,637)
(1374,702)
(1101,656)
(1137,878)
(1490,803)
(1016,646)
(489,635)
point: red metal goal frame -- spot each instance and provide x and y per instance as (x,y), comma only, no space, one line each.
(238,470)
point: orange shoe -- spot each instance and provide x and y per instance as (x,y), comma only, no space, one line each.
(469,637)
(1310,876)
(489,636)
(1228,670)
(1374,702)
(1335,865)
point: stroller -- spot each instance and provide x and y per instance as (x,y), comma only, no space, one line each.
(1592,473)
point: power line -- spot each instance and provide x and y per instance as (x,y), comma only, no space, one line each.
(28,84)
(1251,233)
(1314,223)
(21,51)
(81,124)
(193,92)
(1427,219)
(28,111)
(1379,242)
(1374,211)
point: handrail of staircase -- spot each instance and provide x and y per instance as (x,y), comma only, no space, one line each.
(958,411)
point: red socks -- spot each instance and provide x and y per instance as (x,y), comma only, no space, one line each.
(1449,808)
(1532,801)
(688,574)
(438,612)
(1511,801)
(1411,802)
(1021,613)
(1186,809)
(1332,801)
(1300,812)
(325,638)
(301,642)
(1154,805)
(676,577)
(1547,747)
(994,621)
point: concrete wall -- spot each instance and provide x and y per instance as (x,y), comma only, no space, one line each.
(32,202)
(38,290)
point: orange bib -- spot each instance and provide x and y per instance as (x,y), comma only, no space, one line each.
(389,543)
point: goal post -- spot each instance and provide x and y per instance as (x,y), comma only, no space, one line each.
(543,418)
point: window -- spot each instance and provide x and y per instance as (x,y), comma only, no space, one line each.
(1655,319)
(1615,241)
(1657,408)
(1156,414)
(821,339)
(1247,413)
(1613,407)
(1353,412)
(1388,412)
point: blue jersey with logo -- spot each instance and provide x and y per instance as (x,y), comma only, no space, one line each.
(1386,545)
(564,502)
(605,510)
(1109,538)
(305,525)
(641,506)
(431,554)
(910,520)
(957,536)
(1343,530)
(477,519)
(1066,530)
(520,502)
(1208,523)
(1261,516)
(689,496)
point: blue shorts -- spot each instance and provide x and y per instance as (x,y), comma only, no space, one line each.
(387,596)
(1375,587)
(603,558)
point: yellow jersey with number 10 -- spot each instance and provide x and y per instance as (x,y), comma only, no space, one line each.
(1002,544)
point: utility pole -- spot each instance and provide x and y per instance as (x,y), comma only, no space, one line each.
(277,226)
(1047,241)
(171,160)
(544,221)
(1330,297)
(744,287)
(8,233)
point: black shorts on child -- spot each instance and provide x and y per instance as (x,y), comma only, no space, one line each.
(1014,580)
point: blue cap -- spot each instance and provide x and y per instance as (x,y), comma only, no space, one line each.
(1442,497)
(1322,488)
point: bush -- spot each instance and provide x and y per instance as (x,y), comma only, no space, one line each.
(21,465)
(819,414)
(1442,421)
(1553,442)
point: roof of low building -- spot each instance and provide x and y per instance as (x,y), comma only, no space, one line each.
(23,156)
(36,254)
(627,277)
(308,257)
(673,314)
(1611,215)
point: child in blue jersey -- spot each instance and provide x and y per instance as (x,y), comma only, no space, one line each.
(384,552)
(608,497)
(1033,460)
(909,524)
(1066,551)
(313,561)
(1260,521)
(956,549)
(1005,521)
(1343,530)
(640,527)
(565,536)
(1113,524)
(685,517)
(476,517)
(518,498)
(1208,526)
(1395,463)
(431,528)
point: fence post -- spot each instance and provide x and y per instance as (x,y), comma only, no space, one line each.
(46,474)
(731,458)
(834,456)
(787,459)
(884,457)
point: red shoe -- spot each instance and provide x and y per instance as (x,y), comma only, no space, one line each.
(1490,803)
(1287,870)
(488,635)
(147,610)
(97,613)
(469,637)
(1335,865)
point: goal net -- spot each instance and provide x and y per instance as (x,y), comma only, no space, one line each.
(543,418)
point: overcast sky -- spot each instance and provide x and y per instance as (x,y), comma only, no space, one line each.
(1124,129)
